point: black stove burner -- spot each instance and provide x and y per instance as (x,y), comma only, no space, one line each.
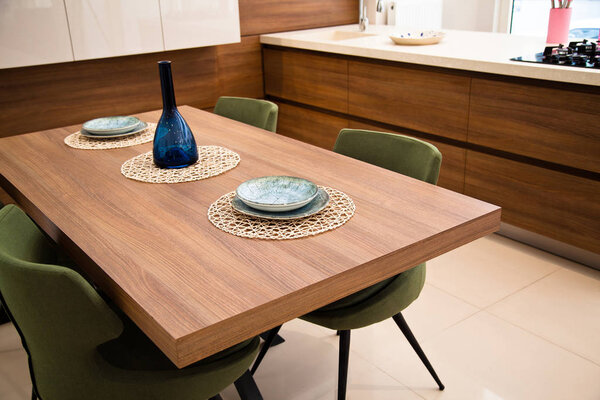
(582,54)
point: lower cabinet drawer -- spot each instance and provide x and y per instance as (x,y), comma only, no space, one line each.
(309,126)
(554,204)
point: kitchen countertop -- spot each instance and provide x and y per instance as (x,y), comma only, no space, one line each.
(465,50)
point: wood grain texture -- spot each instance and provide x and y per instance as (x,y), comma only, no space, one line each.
(307,78)
(196,290)
(55,95)
(452,172)
(268,16)
(309,126)
(555,125)
(423,100)
(239,67)
(553,204)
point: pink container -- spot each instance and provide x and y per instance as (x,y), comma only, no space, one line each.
(558,25)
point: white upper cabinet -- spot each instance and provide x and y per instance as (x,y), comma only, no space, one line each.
(197,23)
(49,31)
(109,28)
(33,32)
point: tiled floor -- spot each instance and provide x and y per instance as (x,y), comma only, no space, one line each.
(497,319)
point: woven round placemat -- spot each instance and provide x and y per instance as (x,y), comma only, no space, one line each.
(78,141)
(339,210)
(212,161)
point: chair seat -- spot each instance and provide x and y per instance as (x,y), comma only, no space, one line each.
(373,304)
(133,350)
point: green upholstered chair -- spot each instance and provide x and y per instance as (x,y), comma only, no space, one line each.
(3,316)
(78,347)
(255,112)
(408,156)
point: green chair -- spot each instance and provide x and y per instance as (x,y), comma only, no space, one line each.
(408,156)
(78,347)
(3,316)
(259,113)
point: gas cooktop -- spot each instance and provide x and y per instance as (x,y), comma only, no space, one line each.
(582,54)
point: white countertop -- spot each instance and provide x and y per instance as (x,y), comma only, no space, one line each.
(465,50)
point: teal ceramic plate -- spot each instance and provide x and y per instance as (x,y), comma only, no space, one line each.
(317,204)
(140,127)
(111,125)
(277,193)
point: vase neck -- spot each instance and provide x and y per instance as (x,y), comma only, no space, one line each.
(166,84)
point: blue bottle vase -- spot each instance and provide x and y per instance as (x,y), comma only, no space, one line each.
(174,144)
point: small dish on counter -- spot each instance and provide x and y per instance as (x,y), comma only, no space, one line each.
(318,203)
(276,193)
(111,125)
(137,129)
(417,38)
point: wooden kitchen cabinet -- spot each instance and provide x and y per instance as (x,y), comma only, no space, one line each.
(509,141)
(310,79)
(533,121)
(309,126)
(423,100)
(555,204)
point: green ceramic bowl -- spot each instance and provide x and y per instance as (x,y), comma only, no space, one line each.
(111,125)
(313,207)
(277,193)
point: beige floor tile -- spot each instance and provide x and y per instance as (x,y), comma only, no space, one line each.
(8,390)
(489,269)
(487,358)
(14,368)
(305,367)
(564,308)
(428,316)
(9,338)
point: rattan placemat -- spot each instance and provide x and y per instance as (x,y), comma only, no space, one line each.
(212,161)
(339,210)
(78,141)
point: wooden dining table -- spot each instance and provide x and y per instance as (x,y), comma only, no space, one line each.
(195,289)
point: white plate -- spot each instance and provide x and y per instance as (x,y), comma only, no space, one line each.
(140,127)
(417,38)
(111,125)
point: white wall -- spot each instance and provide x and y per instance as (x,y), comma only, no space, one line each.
(469,15)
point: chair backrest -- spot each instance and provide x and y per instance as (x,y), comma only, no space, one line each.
(403,154)
(60,317)
(255,112)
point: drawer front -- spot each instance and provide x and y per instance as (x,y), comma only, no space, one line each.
(423,100)
(309,126)
(549,124)
(452,172)
(306,78)
(561,206)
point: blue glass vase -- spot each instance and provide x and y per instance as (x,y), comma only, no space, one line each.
(174,144)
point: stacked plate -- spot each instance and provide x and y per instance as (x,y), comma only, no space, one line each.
(111,127)
(279,197)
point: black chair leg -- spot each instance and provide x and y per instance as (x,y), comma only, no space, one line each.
(277,341)
(343,363)
(3,316)
(338,333)
(268,343)
(247,388)
(216,397)
(33,395)
(401,322)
